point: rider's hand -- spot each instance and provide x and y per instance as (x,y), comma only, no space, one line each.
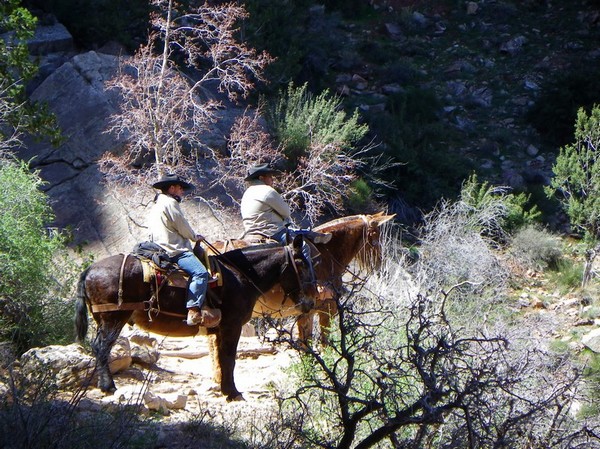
(200,238)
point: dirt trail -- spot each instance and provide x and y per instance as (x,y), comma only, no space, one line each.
(185,369)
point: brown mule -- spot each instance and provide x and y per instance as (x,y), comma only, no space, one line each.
(354,237)
(115,292)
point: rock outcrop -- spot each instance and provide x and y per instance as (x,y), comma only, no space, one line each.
(101,221)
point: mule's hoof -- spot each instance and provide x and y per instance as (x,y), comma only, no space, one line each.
(109,391)
(237,398)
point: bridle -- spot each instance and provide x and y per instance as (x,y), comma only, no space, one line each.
(300,284)
(289,261)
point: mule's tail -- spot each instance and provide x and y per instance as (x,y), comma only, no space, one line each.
(81,310)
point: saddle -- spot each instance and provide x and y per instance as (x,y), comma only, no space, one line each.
(157,267)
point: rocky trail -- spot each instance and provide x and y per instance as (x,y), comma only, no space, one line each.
(179,390)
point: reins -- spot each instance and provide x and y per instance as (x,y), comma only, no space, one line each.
(289,257)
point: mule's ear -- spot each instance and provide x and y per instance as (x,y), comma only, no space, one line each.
(381,219)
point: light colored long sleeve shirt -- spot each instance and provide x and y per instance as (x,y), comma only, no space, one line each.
(264,211)
(168,227)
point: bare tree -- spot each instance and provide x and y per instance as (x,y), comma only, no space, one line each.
(165,110)
(427,383)
(409,367)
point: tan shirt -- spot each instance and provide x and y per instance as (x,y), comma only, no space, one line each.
(263,209)
(168,227)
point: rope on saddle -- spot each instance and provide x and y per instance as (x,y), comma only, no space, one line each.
(120,306)
(121,274)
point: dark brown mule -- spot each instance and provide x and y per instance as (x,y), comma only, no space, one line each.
(246,273)
(353,237)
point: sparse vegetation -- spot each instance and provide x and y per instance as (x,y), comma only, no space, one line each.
(34,415)
(405,369)
(537,248)
(430,352)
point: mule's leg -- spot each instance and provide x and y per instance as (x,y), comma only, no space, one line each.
(227,350)
(106,336)
(213,347)
(305,328)
(329,310)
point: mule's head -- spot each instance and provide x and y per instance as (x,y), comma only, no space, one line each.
(369,256)
(298,278)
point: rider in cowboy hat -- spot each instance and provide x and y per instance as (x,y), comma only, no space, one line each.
(265,213)
(171,231)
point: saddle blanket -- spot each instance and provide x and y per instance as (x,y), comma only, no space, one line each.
(177,278)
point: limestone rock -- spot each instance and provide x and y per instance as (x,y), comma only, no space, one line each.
(77,94)
(120,356)
(165,401)
(50,39)
(144,348)
(64,366)
(592,340)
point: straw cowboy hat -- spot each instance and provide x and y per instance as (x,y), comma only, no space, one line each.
(168,180)
(261,169)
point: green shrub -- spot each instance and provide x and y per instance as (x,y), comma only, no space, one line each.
(17,113)
(537,248)
(566,275)
(33,312)
(298,120)
(359,197)
(592,374)
(577,174)
(511,210)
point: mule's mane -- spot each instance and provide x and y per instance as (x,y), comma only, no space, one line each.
(339,222)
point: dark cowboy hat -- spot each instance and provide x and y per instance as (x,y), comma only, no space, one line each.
(168,180)
(261,169)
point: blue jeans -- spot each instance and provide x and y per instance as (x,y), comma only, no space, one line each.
(198,283)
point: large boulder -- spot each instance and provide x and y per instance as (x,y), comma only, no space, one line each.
(62,366)
(77,95)
(592,340)
(101,222)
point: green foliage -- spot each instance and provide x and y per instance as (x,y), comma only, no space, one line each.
(16,69)
(519,212)
(512,209)
(577,174)
(416,139)
(299,120)
(359,196)
(31,310)
(566,275)
(555,110)
(592,374)
(537,248)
